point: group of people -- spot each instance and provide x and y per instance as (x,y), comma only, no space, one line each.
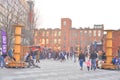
(94,61)
(61,55)
(9,57)
(89,59)
(30,56)
(5,58)
(116,60)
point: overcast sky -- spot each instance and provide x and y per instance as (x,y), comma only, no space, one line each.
(83,13)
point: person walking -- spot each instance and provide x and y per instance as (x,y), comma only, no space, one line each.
(38,57)
(2,62)
(81,60)
(93,58)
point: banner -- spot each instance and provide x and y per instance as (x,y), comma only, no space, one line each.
(4,42)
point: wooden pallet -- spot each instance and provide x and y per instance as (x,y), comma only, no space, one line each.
(108,66)
(16,65)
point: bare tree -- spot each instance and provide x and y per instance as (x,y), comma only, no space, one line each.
(35,21)
(30,33)
(12,16)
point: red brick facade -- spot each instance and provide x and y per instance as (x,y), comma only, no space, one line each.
(68,37)
(116,41)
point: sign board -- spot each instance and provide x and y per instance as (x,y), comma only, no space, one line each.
(4,42)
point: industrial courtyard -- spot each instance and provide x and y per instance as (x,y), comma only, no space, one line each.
(65,47)
(56,70)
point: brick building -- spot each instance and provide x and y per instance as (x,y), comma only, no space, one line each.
(116,41)
(68,37)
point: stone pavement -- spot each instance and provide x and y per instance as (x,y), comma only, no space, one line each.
(55,70)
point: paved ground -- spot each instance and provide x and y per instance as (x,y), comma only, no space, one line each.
(55,70)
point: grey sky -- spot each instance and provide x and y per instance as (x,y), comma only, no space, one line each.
(83,13)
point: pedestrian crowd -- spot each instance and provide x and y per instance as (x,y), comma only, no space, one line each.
(92,60)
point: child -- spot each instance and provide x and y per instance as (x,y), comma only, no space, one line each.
(88,64)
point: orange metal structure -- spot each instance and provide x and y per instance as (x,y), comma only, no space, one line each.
(109,56)
(17,49)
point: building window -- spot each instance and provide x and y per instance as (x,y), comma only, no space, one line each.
(90,33)
(59,33)
(47,41)
(55,33)
(98,26)
(99,33)
(43,33)
(85,35)
(55,41)
(47,33)
(94,33)
(59,41)
(80,33)
(59,48)
(35,33)
(75,34)
(43,41)
(85,32)
(64,23)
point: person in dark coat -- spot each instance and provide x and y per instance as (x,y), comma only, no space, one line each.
(11,54)
(81,60)
(93,58)
(103,56)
